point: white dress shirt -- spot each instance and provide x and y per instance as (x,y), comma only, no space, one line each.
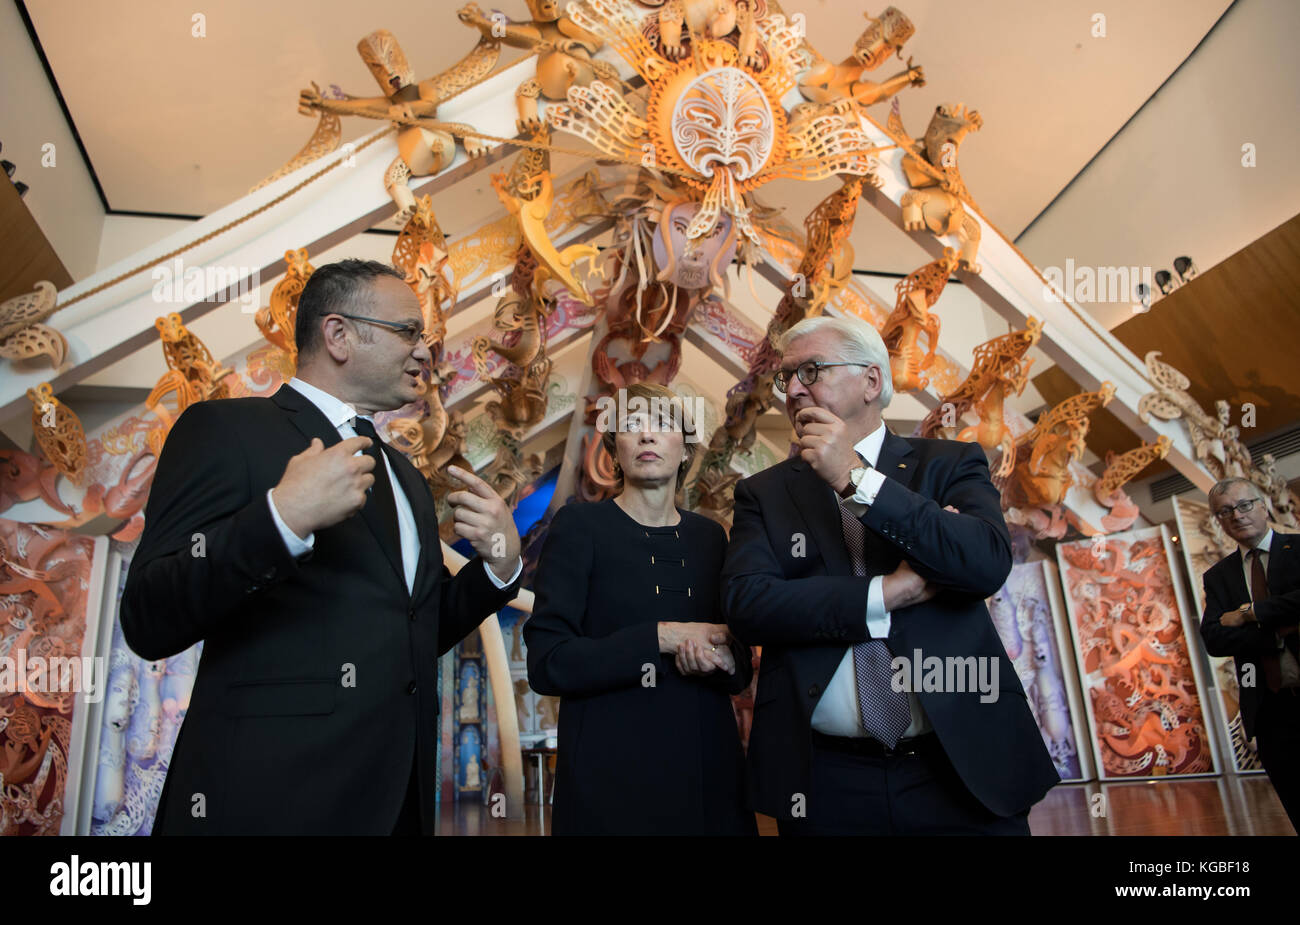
(837,711)
(341,415)
(1290,669)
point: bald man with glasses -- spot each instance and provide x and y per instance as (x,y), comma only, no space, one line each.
(1252,605)
(305,555)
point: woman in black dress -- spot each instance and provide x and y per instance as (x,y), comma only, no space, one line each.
(627,629)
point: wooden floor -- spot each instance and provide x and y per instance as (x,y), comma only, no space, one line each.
(1229,805)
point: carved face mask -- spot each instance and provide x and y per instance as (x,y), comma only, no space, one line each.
(386,60)
(692,264)
(882,38)
(544,10)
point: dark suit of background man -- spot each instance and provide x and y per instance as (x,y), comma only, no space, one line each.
(839,559)
(305,554)
(1252,604)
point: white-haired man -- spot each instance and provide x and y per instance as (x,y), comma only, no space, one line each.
(864,547)
(1252,604)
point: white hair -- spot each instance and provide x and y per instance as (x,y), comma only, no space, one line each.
(1224,484)
(861,343)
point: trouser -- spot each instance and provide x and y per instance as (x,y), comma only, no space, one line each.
(861,788)
(1277,734)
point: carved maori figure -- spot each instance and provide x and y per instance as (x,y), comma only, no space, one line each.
(935,202)
(884,36)
(425,145)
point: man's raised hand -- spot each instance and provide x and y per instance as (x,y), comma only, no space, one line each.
(825,444)
(484,519)
(322,487)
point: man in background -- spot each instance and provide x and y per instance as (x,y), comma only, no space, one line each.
(1252,604)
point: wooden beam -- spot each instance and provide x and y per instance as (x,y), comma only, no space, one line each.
(27,257)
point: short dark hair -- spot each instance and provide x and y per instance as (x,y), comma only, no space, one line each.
(335,287)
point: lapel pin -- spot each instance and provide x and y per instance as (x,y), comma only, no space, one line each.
(902,465)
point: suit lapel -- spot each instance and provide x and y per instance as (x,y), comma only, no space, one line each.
(305,416)
(311,422)
(1237,577)
(896,459)
(1280,550)
(422,509)
(816,504)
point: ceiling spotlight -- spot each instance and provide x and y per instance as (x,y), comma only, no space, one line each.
(8,167)
(1184,267)
(22,189)
(1164,281)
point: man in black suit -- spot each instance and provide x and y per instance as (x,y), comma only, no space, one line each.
(865,547)
(1252,605)
(305,555)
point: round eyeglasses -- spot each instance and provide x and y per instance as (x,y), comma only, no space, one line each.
(807,373)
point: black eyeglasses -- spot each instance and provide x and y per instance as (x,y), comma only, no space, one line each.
(1245,507)
(409,331)
(807,373)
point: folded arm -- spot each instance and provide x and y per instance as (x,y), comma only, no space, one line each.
(1250,640)
(968,552)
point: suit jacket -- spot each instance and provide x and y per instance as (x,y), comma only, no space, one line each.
(317,686)
(1252,643)
(790,588)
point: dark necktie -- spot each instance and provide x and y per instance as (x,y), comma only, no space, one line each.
(1258,578)
(886,714)
(1259,592)
(380,496)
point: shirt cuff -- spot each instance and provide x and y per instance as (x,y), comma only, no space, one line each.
(492,576)
(296,546)
(878,618)
(869,487)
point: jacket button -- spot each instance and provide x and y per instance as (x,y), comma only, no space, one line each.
(814,691)
(410,688)
(411,613)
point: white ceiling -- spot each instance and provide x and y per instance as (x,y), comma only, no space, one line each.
(183,125)
(180,125)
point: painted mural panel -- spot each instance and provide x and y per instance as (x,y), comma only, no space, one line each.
(1142,688)
(1030,621)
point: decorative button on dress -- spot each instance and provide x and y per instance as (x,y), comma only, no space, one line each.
(642,748)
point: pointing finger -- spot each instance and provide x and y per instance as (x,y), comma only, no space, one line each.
(472,482)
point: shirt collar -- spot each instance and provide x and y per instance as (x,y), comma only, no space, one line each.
(1263,545)
(336,411)
(869,446)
